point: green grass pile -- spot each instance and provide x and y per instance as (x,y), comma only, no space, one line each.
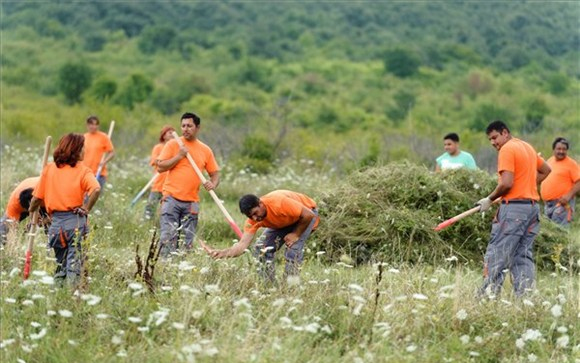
(388,213)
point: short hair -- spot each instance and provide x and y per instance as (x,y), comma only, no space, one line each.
(196,119)
(93,119)
(496,125)
(25,197)
(248,202)
(452,136)
(68,150)
(164,131)
(561,140)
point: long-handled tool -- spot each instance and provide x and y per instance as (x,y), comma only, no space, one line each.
(458,217)
(33,218)
(101,164)
(211,192)
(147,186)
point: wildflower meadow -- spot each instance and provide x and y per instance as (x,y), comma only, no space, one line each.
(196,309)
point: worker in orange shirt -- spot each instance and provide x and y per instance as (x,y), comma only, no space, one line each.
(97,143)
(17,208)
(62,187)
(517,221)
(289,218)
(561,186)
(180,203)
(157,187)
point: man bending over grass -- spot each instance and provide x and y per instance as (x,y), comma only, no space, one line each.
(289,219)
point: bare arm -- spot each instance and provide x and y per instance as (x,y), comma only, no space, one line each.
(437,168)
(213,182)
(306,216)
(164,165)
(233,251)
(506,181)
(92,200)
(34,205)
(543,172)
(571,193)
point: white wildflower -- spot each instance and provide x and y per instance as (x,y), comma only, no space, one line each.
(72,342)
(185,266)
(520,344)
(561,299)
(143,329)
(394,271)
(563,341)
(27,302)
(116,340)
(357,310)
(312,327)
(50,312)
(35,324)
(528,302)
(102,316)
(210,352)
(7,342)
(451,259)
(478,339)
(285,321)
(420,297)
(278,302)
(134,319)
(474,354)
(37,296)
(356,287)
(65,313)
(135,286)
(212,288)
(196,314)
(10,300)
(245,302)
(293,280)
(532,357)
(411,348)
(122,353)
(15,271)
(461,314)
(39,273)
(556,311)
(40,334)
(531,334)
(464,339)
(47,280)
(562,329)
(178,326)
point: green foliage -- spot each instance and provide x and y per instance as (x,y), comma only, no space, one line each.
(557,83)
(94,42)
(404,102)
(258,154)
(104,89)
(486,113)
(135,90)
(536,110)
(401,62)
(157,38)
(73,80)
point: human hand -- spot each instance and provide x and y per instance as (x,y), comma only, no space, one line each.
(563,201)
(183,151)
(484,204)
(290,239)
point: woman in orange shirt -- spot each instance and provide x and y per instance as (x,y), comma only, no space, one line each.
(62,187)
(157,187)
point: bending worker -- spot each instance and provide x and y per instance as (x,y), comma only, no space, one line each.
(289,218)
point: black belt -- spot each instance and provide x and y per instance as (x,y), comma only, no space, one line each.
(518,201)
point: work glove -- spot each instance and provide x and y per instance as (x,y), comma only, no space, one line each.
(484,204)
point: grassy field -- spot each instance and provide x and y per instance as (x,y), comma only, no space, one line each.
(205,310)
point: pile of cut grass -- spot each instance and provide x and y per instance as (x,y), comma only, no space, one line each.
(388,213)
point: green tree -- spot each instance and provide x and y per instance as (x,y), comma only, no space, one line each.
(486,113)
(73,80)
(156,38)
(535,113)
(104,89)
(136,90)
(401,62)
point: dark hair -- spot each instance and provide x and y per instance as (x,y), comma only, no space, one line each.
(452,136)
(496,125)
(164,131)
(560,140)
(248,202)
(93,119)
(25,197)
(196,119)
(68,150)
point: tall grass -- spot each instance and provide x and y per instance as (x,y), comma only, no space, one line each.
(206,310)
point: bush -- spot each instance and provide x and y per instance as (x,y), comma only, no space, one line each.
(136,90)
(73,80)
(402,62)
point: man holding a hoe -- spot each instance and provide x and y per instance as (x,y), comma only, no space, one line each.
(516,223)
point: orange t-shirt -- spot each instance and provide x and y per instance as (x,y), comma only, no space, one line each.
(565,173)
(520,158)
(283,208)
(95,146)
(63,189)
(14,209)
(181,182)
(158,183)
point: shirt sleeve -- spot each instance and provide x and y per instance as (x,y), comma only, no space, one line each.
(40,188)
(108,144)
(169,150)
(575,172)
(472,164)
(251,226)
(506,160)
(89,182)
(211,165)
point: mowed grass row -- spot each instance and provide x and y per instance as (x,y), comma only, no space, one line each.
(206,310)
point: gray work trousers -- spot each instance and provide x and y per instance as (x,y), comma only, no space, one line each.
(512,238)
(271,241)
(177,216)
(558,213)
(65,235)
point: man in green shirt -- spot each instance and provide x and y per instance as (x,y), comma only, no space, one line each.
(453,158)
